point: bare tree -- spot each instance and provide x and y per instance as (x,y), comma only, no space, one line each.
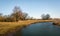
(1,17)
(45,17)
(17,13)
(25,15)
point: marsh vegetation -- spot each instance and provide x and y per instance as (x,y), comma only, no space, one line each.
(11,24)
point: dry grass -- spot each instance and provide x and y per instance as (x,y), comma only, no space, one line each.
(11,26)
(57,22)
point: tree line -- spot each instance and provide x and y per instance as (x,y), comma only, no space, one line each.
(15,16)
(18,15)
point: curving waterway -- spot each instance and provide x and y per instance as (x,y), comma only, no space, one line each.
(41,29)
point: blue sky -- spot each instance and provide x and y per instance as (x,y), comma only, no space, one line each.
(35,8)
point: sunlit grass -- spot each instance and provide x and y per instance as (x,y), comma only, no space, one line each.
(12,26)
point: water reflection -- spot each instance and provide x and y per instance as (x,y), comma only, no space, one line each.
(41,29)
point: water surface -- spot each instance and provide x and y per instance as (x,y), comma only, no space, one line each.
(41,29)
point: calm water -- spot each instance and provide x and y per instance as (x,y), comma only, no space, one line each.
(41,29)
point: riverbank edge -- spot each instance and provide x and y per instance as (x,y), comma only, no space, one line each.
(13,32)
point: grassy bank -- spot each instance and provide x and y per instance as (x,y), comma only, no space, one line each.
(8,28)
